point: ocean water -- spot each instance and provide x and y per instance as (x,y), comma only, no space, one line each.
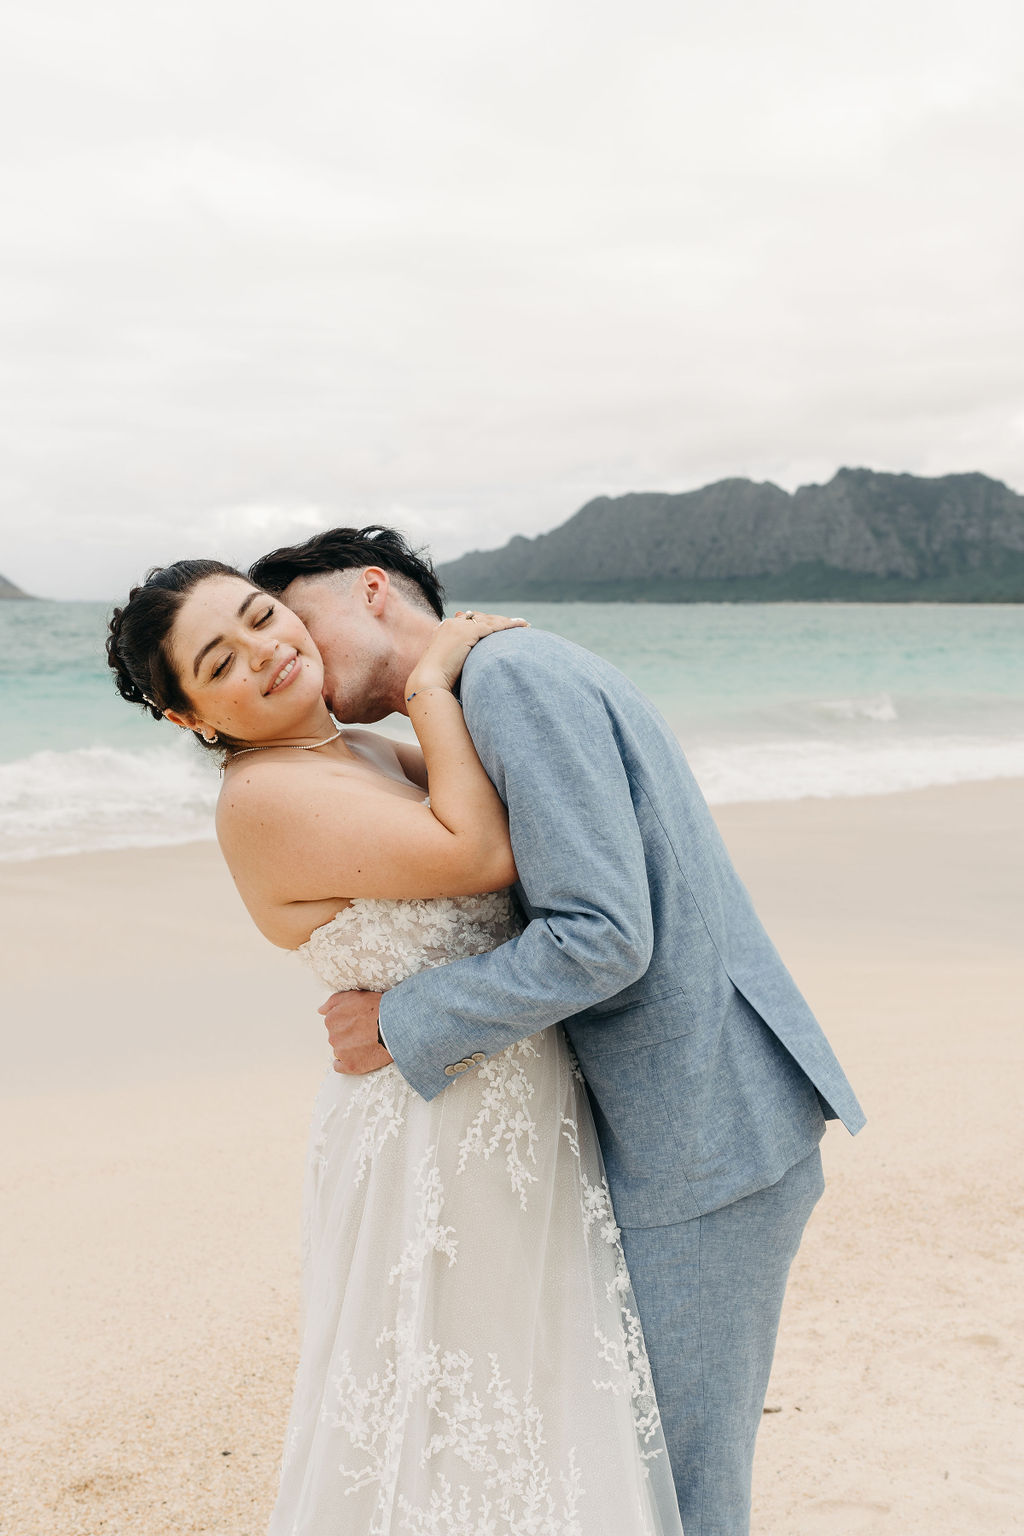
(771,702)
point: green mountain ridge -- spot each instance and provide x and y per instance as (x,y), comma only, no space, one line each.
(866,536)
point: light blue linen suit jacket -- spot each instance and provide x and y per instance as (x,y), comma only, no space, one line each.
(707,1071)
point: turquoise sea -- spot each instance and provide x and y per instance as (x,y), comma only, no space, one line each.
(773,701)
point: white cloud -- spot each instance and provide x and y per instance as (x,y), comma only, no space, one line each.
(462,267)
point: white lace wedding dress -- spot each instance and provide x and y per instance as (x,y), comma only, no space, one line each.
(472,1363)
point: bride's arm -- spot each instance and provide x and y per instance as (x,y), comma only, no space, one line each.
(322,841)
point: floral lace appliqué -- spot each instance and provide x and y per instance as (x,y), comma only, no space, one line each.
(473,1362)
(503,1120)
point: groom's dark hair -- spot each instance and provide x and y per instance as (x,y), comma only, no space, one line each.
(352,549)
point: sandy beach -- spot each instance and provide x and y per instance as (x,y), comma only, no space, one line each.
(159,1062)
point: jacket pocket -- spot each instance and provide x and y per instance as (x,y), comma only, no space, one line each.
(609,1031)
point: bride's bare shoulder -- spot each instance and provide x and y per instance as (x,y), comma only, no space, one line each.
(242,782)
(268,800)
(262,789)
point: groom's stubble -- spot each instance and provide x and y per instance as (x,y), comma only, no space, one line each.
(369,637)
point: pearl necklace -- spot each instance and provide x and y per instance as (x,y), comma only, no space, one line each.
(288,746)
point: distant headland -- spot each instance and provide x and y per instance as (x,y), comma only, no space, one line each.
(863,537)
(8,589)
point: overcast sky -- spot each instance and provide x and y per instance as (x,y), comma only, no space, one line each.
(462,266)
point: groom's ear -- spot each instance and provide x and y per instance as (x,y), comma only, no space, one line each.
(376,585)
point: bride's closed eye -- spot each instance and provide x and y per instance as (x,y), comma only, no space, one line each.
(258,622)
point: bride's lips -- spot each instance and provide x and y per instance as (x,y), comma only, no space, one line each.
(286,673)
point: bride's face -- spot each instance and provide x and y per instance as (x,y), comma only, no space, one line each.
(246,662)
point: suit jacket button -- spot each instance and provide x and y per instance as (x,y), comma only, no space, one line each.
(460,1066)
(450,1071)
(478,1056)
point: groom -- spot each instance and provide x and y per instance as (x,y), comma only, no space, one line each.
(709,1077)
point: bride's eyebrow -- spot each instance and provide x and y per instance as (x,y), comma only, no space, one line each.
(219,639)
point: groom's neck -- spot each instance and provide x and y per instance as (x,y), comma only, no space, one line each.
(413,631)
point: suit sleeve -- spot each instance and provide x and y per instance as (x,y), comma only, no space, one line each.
(547,740)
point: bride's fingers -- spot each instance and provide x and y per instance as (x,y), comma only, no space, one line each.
(487,623)
(494,622)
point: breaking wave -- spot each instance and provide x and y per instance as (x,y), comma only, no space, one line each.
(101,797)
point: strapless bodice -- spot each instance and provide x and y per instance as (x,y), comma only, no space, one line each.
(373,944)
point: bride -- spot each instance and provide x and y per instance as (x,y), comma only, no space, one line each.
(472,1363)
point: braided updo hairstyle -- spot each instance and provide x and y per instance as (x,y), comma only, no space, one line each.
(138,634)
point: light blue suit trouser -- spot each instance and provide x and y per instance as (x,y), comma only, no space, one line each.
(709,1292)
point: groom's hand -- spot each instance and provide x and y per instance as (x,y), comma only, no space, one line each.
(351,1020)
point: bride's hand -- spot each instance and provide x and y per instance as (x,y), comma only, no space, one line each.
(443,659)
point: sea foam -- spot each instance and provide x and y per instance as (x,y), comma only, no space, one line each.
(800,769)
(101,797)
(879,708)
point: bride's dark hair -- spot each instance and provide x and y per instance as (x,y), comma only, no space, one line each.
(137,636)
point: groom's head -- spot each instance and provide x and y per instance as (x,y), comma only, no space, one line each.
(370,603)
